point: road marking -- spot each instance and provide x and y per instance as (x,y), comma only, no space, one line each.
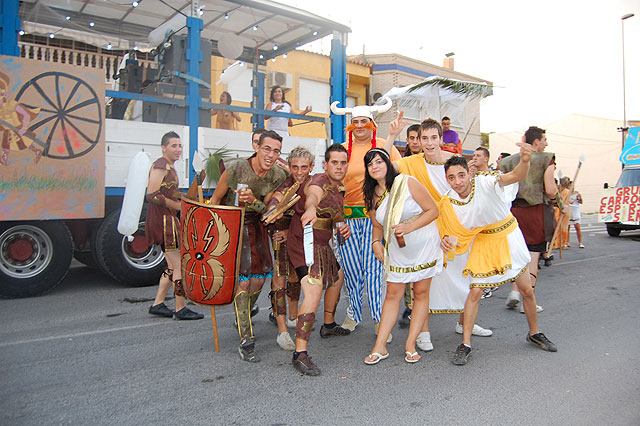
(594,258)
(94,332)
(80,334)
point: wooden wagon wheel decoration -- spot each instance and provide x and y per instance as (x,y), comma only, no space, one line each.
(70,121)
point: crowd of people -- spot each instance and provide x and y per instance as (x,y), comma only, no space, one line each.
(427,227)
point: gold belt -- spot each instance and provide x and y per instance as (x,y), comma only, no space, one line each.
(324,223)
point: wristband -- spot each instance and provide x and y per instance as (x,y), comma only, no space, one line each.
(375,241)
(258,206)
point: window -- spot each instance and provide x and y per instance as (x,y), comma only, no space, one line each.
(314,93)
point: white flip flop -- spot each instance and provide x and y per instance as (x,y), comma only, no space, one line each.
(380,357)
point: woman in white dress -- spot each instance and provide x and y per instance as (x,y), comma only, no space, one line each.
(278,103)
(575,199)
(406,240)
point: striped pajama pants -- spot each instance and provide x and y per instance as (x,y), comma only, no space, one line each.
(361,267)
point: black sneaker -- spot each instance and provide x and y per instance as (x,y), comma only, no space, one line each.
(304,365)
(272,319)
(161,310)
(255,310)
(542,341)
(406,318)
(247,350)
(187,314)
(461,357)
(335,331)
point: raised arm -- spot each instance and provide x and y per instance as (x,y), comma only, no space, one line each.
(395,128)
(521,171)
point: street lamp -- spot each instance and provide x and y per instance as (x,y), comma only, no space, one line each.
(624,127)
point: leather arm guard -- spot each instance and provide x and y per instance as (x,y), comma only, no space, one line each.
(156,198)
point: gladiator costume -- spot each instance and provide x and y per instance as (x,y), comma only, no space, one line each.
(162,225)
(282,265)
(255,258)
(531,206)
(324,270)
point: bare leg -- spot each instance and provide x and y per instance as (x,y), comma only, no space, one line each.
(331,299)
(533,269)
(425,325)
(163,287)
(578,232)
(529,301)
(390,308)
(419,313)
(471,313)
(173,260)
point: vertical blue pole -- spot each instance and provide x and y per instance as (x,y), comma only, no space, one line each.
(257,98)
(9,27)
(193,101)
(338,84)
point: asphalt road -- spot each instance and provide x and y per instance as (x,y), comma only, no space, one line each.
(89,354)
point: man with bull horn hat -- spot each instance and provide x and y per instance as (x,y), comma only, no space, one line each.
(358,261)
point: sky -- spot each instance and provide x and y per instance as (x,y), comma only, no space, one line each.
(547,59)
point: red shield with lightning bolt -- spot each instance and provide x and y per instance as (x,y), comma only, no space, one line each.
(210,250)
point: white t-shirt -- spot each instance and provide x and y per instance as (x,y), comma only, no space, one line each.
(279,124)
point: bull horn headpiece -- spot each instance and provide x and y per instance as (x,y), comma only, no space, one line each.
(363,110)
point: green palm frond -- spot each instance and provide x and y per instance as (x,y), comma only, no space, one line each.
(212,168)
(456,86)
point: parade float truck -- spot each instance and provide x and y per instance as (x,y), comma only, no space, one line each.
(64,173)
(620,205)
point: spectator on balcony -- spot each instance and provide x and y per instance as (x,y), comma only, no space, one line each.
(226,119)
(278,103)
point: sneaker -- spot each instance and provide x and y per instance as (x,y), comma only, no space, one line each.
(547,262)
(335,331)
(581,245)
(161,310)
(349,323)
(247,350)
(513,299)
(538,308)
(304,365)
(486,293)
(406,318)
(423,342)
(542,341)
(272,319)
(285,342)
(255,310)
(389,339)
(461,357)
(291,323)
(477,330)
(187,314)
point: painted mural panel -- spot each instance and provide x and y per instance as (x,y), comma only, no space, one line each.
(52,135)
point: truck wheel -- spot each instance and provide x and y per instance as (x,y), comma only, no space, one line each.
(613,230)
(34,257)
(132,263)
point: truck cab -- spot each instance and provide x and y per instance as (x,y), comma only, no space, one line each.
(629,177)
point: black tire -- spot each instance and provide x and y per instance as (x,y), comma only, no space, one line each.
(34,257)
(116,259)
(613,230)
